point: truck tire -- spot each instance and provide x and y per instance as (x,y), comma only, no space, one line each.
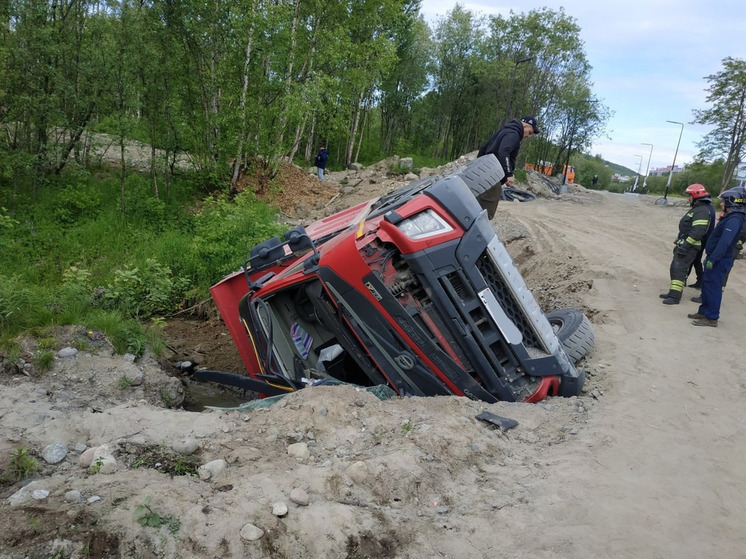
(481,174)
(574,331)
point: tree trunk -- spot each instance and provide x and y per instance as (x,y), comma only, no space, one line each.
(289,76)
(71,144)
(353,131)
(362,131)
(123,162)
(237,162)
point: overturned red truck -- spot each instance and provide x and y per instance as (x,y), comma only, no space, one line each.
(413,290)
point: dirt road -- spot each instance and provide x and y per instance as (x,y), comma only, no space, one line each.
(659,472)
(649,462)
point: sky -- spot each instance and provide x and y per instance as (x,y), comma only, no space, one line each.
(649,63)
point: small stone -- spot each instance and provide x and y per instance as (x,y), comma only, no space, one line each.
(54,453)
(279,509)
(251,533)
(299,450)
(103,461)
(211,469)
(299,497)
(39,494)
(186,446)
(86,457)
(67,352)
(74,496)
(358,472)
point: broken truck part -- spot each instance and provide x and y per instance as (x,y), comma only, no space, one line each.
(413,290)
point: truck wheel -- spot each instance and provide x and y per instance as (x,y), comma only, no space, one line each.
(574,331)
(481,174)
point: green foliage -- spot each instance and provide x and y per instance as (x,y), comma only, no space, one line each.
(154,336)
(22,464)
(725,115)
(74,202)
(7,224)
(145,291)
(47,343)
(124,382)
(16,298)
(125,334)
(96,466)
(224,232)
(43,359)
(147,517)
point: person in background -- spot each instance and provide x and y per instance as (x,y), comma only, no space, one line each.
(505,144)
(719,253)
(320,161)
(693,227)
(595,180)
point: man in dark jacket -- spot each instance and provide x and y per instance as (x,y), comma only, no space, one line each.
(505,144)
(719,257)
(320,161)
(693,228)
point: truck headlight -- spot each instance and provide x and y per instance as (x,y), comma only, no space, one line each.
(424,224)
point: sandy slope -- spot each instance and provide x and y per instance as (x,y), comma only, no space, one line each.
(648,463)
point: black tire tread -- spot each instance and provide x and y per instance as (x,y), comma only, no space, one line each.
(481,174)
(575,332)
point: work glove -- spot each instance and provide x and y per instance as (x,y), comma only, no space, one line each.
(708,264)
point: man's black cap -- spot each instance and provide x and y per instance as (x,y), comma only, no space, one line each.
(532,121)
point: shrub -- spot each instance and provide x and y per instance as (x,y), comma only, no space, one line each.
(74,201)
(22,464)
(145,291)
(15,297)
(43,359)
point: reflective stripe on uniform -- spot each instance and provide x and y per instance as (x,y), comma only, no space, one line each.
(693,242)
(676,285)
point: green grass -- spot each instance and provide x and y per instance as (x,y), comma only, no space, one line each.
(22,464)
(68,255)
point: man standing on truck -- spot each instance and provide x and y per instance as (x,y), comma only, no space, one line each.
(505,144)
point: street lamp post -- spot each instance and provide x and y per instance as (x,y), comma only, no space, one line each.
(637,178)
(673,165)
(645,180)
(512,86)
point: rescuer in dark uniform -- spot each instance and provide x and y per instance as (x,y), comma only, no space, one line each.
(719,254)
(693,227)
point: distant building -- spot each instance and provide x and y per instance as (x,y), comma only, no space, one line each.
(740,175)
(664,171)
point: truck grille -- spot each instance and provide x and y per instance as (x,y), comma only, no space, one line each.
(505,297)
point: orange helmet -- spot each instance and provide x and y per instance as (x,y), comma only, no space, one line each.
(696,191)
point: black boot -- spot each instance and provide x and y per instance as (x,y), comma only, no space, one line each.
(697,299)
(666,295)
(671,301)
(696,285)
